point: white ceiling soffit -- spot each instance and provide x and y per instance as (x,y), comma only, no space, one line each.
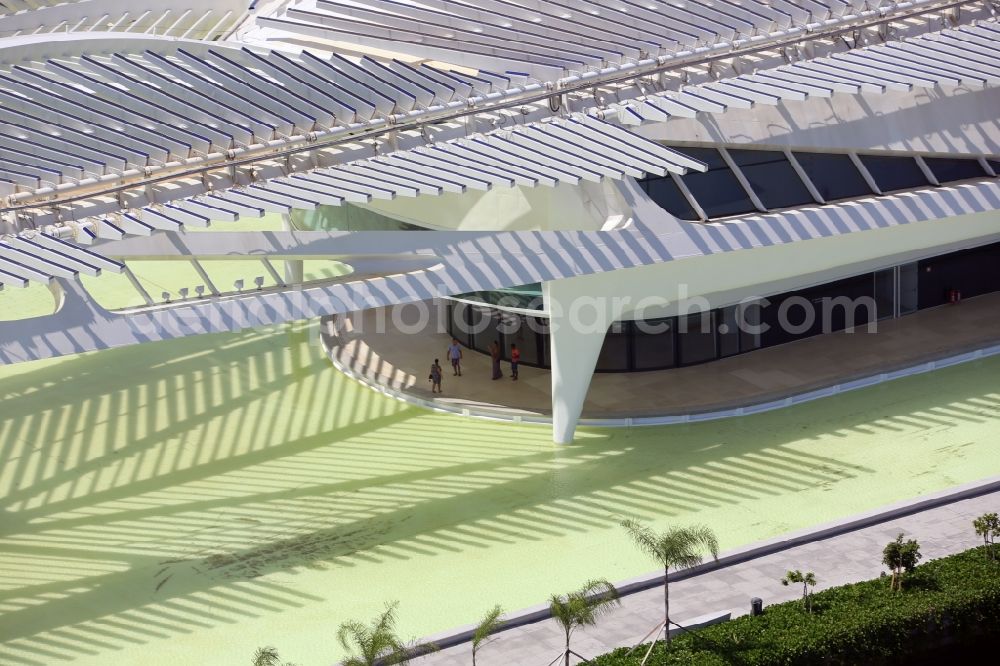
(570,150)
(462,261)
(966,56)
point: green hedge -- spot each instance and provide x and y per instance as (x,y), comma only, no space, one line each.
(956,597)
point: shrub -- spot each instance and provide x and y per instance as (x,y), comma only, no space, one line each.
(988,527)
(900,556)
(956,597)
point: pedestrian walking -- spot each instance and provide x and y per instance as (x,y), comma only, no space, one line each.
(435,377)
(495,355)
(455,356)
(515,359)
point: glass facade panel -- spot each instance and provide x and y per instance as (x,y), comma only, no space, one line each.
(545,353)
(772,178)
(717,191)
(908,292)
(524,297)
(656,344)
(965,274)
(614,355)
(653,343)
(526,339)
(833,175)
(885,293)
(894,173)
(749,323)
(458,324)
(948,170)
(666,194)
(483,328)
(728,331)
(696,338)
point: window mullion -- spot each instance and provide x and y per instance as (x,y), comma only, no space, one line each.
(865,173)
(804,177)
(679,180)
(742,179)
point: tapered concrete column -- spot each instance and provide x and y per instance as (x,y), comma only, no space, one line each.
(578,322)
(294,268)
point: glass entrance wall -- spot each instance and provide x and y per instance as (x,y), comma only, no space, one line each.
(885,293)
(894,173)
(908,288)
(776,183)
(834,175)
(718,190)
(523,297)
(772,178)
(700,337)
(957,275)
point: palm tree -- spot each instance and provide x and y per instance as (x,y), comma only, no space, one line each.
(376,643)
(675,548)
(582,608)
(267,656)
(489,625)
(807,580)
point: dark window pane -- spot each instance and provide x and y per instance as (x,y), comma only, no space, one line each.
(833,175)
(458,325)
(507,326)
(525,297)
(667,195)
(729,331)
(696,339)
(525,336)
(995,164)
(970,272)
(749,323)
(717,191)
(772,177)
(885,293)
(653,341)
(948,170)
(894,173)
(908,282)
(483,328)
(614,353)
(545,352)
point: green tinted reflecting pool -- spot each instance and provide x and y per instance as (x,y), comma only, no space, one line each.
(188,501)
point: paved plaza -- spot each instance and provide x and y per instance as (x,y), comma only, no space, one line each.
(841,559)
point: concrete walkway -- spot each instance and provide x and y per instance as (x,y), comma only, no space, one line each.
(383,356)
(842,558)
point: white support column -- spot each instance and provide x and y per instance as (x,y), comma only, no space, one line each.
(578,322)
(294,268)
